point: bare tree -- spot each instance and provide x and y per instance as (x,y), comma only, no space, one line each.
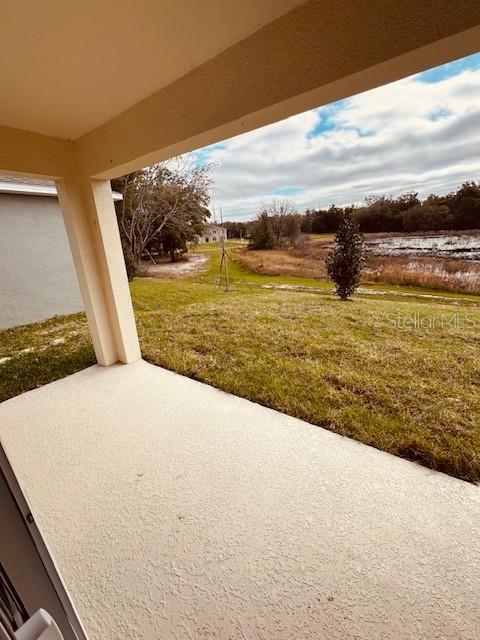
(284,218)
(277,209)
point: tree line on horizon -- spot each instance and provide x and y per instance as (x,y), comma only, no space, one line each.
(165,208)
(278,222)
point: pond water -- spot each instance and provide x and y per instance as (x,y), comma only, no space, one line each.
(455,246)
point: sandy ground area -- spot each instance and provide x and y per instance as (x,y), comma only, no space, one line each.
(194,262)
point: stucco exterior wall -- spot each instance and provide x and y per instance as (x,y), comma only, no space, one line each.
(37,276)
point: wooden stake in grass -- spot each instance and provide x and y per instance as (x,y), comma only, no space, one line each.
(224,274)
(344,263)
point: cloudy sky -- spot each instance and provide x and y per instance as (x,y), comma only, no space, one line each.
(418,134)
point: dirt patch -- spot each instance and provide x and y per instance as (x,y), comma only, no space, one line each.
(180,269)
(365,290)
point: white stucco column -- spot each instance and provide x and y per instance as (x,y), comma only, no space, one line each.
(92,230)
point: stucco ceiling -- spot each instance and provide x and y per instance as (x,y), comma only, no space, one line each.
(67,67)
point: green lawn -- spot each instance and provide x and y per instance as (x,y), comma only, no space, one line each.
(413,391)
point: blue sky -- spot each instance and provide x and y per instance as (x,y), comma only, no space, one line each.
(420,134)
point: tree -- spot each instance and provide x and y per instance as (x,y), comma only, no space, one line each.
(292,228)
(129,261)
(344,262)
(236,229)
(467,216)
(427,217)
(171,242)
(168,199)
(465,204)
(261,234)
(279,212)
(277,224)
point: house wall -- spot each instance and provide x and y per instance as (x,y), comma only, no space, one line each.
(37,276)
(212,235)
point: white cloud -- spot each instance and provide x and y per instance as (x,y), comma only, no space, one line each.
(409,135)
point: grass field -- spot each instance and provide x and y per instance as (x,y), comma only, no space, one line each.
(397,372)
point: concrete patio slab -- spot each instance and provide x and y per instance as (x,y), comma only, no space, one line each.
(186,512)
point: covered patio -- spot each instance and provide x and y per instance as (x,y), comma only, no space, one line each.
(161,507)
(174,510)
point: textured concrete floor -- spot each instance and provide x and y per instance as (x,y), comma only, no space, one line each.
(177,511)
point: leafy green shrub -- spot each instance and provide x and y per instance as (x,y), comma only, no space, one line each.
(344,262)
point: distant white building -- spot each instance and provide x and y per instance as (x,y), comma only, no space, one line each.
(212,233)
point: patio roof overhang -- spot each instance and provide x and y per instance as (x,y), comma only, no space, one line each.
(104,92)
